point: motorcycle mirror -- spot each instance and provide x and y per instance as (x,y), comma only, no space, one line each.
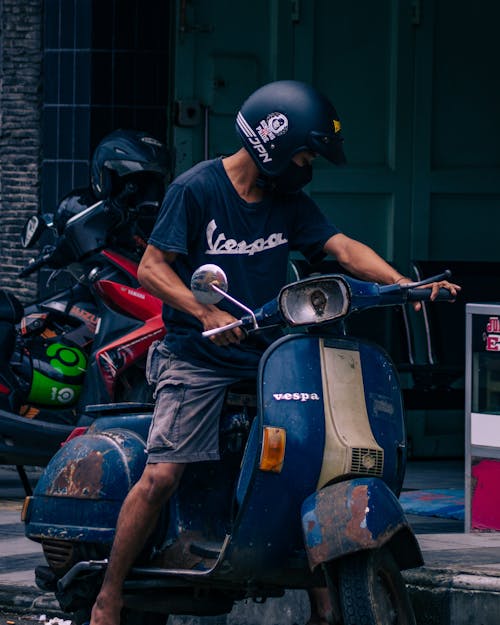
(34,227)
(32,231)
(207,282)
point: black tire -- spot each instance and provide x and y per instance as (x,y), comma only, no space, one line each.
(372,590)
(136,617)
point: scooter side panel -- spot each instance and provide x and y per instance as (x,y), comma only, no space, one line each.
(352,516)
(79,495)
(384,408)
(385,411)
(267,527)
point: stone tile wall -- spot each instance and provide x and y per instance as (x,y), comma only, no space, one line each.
(20,135)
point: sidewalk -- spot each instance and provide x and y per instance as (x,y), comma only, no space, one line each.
(460,580)
(458,584)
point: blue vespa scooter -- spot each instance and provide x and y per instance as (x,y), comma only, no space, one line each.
(304,495)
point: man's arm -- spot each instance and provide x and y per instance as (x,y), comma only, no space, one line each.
(362,261)
(366,264)
(157,276)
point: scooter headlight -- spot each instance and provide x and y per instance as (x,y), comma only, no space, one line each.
(316,300)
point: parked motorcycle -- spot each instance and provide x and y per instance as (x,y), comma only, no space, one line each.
(86,344)
(304,495)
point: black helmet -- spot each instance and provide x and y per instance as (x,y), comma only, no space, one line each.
(123,153)
(285,117)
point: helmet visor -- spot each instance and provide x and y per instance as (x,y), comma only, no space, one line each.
(330,146)
(124,167)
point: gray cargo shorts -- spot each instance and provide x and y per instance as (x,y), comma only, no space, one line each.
(188,403)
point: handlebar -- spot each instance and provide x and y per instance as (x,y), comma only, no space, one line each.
(355,295)
(445,275)
(35,263)
(56,255)
(419,295)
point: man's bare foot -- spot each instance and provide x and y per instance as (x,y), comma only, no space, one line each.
(106,610)
(318,620)
(321,607)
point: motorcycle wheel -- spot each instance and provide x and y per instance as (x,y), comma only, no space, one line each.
(372,590)
(136,617)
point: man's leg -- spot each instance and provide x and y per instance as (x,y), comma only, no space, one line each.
(321,607)
(137,520)
(185,427)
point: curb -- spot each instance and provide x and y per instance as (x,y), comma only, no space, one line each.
(451,578)
(28,598)
(439,597)
(451,597)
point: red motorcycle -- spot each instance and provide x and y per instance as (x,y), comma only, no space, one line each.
(84,346)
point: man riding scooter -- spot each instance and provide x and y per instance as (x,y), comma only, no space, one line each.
(245,212)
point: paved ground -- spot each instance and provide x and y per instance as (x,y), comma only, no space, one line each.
(12,618)
(19,555)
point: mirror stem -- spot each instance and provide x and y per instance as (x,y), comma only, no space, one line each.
(236,303)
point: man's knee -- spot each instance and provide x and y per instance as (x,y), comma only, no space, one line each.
(160,480)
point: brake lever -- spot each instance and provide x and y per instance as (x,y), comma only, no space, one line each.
(446,275)
(214,331)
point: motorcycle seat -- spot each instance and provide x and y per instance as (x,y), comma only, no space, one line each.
(107,410)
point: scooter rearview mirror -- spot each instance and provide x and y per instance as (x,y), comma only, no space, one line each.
(207,282)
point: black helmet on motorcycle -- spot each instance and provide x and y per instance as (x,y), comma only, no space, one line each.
(121,155)
(286,117)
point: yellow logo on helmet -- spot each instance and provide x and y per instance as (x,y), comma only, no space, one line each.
(336,125)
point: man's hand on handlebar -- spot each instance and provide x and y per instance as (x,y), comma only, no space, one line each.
(454,289)
(217,318)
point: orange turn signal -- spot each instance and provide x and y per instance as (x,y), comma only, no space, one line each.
(272,455)
(24,511)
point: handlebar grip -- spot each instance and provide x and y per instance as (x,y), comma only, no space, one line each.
(419,295)
(230,326)
(33,265)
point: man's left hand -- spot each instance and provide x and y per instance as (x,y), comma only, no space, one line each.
(454,289)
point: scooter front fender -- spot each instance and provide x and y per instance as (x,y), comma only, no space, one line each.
(355,515)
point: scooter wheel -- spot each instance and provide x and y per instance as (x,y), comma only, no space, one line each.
(372,590)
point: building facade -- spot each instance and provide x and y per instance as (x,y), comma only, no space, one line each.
(71,72)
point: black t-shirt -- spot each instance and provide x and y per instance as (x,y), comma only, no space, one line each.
(204,220)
